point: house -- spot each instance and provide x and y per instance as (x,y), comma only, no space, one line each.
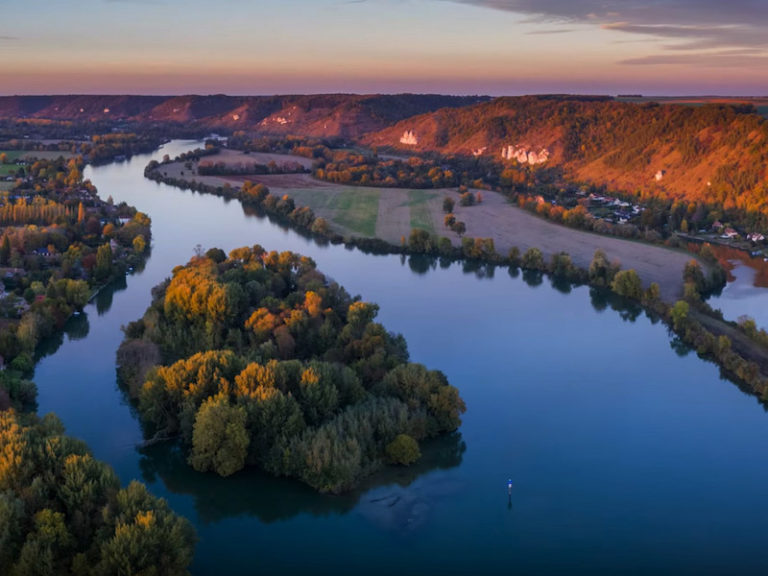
(730,234)
(717,226)
(755,237)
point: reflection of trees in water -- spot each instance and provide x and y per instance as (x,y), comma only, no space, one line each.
(562,285)
(629,310)
(533,278)
(681,348)
(76,328)
(106,294)
(421,264)
(271,499)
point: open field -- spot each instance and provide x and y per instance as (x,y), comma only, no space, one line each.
(391,213)
(235,157)
(9,167)
(13,155)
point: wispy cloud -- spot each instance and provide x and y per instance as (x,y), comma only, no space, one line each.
(8,38)
(552,31)
(724,59)
(133,1)
(688,25)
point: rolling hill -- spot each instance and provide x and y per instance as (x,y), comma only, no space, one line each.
(326,115)
(713,153)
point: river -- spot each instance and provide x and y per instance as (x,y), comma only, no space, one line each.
(627,455)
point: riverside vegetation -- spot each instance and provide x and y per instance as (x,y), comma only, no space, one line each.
(258,359)
(61,510)
(59,242)
(740,351)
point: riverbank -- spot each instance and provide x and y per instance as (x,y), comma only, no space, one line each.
(655,286)
(389,215)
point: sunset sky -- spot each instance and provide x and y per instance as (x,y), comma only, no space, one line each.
(450,46)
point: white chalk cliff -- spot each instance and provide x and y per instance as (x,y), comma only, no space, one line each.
(524,155)
(409,138)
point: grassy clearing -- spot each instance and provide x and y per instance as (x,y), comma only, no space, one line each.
(421,216)
(10,167)
(316,198)
(354,209)
(357,210)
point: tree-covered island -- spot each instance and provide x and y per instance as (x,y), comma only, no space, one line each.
(258,359)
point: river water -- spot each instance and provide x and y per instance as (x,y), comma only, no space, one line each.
(627,454)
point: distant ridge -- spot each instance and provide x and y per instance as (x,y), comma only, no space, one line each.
(322,115)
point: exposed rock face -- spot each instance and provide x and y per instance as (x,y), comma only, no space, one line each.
(479,151)
(660,175)
(409,138)
(524,155)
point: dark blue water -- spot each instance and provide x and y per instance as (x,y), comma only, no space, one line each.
(627,455)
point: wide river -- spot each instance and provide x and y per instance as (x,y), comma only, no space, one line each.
(627,455)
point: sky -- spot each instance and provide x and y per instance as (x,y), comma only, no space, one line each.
(495,47)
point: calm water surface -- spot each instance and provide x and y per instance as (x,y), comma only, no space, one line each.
(627,456)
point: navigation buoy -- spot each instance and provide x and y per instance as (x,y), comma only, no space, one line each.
(509,487)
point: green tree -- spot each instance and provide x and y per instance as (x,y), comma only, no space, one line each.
(103,267)
(148,538)
(679,314)
(653,294)
(601,271)
(627,283)
(533,259)
(403,450)
(219,441)
(693,274)
(77,293)
(448,204)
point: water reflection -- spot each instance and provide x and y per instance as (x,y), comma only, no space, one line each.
(254,493)
(629,310)
(561,284)
(106,295)
(76,328)
(533,278)
(421,263)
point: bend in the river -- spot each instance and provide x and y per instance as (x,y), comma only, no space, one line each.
(626,453)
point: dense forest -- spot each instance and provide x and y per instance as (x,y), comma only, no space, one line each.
(63,512)
(258,359)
